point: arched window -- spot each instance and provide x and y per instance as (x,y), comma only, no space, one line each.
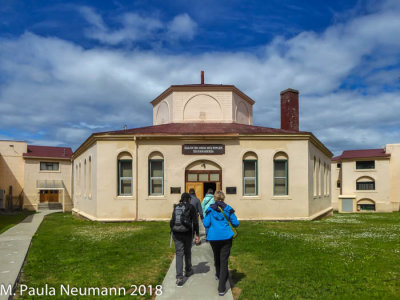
(365,184)
(125,185)
(250,174)
(366,205)
(281,186)
(156,174)
(84,178)
(90,177)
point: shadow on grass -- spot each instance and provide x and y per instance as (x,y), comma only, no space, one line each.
(236,277)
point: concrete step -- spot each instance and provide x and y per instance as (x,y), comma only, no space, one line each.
(49,205)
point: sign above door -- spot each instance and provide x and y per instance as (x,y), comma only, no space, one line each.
(203,149)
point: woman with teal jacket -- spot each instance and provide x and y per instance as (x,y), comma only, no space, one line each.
(207,201)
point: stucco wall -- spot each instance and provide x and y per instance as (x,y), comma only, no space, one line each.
(262,206)
(105,204)
(207,106)
(381,194)
(394,150)
(319,182)
(335,176)
(86,202)
(33,173)
(12,167)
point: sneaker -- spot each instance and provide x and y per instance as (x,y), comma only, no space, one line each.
(221,293)
(179,283)
(189,273)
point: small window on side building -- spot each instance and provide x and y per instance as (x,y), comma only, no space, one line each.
(367,164)
(49,166)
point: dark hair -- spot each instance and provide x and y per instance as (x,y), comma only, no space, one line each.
(191,191)
(210,191)
(185,197)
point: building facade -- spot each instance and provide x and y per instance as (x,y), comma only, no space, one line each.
(366,180)
(202,137)
(35,176)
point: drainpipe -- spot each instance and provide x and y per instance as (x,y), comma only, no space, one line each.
(136,179)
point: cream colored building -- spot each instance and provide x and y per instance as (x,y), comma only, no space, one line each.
(35,176)
(202,137)
(367,180)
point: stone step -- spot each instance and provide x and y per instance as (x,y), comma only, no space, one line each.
(49,205)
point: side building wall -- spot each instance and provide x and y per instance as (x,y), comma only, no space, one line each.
(12,168)
(394,150)
(33,173)
(381,194)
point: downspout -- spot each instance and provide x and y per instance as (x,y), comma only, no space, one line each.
(136,179)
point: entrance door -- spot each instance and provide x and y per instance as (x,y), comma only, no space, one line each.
(200,181)
(48,196)
(198,188)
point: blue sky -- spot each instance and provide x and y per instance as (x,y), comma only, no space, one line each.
(70,68)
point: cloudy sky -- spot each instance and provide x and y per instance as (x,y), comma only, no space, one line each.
(70,68)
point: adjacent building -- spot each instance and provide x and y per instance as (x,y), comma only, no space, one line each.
(32,177)
(203,137)
(367,180)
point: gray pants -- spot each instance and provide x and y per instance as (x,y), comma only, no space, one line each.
(183,246)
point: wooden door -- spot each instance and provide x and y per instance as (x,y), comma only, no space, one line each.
(218,188)
(198,188)
(48,196)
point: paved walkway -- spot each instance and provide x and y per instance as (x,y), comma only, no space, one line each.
(14,245)
(202,284)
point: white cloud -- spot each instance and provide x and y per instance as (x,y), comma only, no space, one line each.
(66,91)
(182,27)
(136,28)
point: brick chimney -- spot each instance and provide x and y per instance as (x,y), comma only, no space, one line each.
(290,109)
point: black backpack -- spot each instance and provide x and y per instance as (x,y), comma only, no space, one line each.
(183,222)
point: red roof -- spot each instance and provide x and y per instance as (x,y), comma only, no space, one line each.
(362,154)
(47,151)
(201,129)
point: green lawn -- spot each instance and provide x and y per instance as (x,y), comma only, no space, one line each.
(9,220)
(348,256)
(66,250)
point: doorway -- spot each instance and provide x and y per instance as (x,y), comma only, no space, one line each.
(48,196)
(201,181)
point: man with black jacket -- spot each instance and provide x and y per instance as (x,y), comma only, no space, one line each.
(184,223)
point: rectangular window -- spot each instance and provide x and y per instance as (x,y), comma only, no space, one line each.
(362,165)
(365,186)
(156,177)
(49,166)
(280,177)
(125,177)
(338,184)
(338,166)
(250,187)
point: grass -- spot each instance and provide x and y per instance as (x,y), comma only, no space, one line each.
(9,220)
(348,256)
(66,250)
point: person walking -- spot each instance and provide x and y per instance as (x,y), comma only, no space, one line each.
(220,236)
(195,202)
(207,201)
(183,224)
